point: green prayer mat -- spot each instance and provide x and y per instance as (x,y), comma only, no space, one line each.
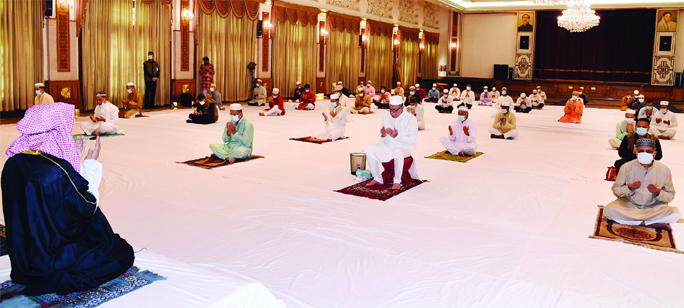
(92,137)
(444,155)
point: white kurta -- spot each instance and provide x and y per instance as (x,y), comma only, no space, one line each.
(111,114)
(536,100)
(662,129)
(420,116)
(459,141)
(455,93)
(642,112)
(495,95)
(542,94)
(497,103)
(397,148)
(468,96)
(445,101)
(334,127)
(523,102)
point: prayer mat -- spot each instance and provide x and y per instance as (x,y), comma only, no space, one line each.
(93,137)
(445,155)
(379,192)
(211,162)
(131,280)
(3,241)
(315,140)
(649,237)
(611,174)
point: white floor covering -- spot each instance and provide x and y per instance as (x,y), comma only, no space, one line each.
(507,229)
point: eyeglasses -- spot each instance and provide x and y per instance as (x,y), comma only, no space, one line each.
(395,110)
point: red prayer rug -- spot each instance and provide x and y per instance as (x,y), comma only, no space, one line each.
(378,192)
(649,237)
(210,162)
(611,174)
(315,140)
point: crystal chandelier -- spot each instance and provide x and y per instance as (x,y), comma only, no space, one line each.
(578,17)
(550,2)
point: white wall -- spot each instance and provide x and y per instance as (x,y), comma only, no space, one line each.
(488,39)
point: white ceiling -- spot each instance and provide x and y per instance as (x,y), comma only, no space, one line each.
(506,5)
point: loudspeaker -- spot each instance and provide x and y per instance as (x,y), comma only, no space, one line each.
(260,28)
(500,71)
(678,79)
(510,73)
(251,66)
(48,8)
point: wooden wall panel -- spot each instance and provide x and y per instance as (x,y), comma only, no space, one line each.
(180,86)
(320,85)
(67,91)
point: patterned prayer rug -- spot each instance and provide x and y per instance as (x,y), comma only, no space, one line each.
(611,174)
(654,238)
(3,241)
(211,163)
(445,155)
(315,140)
(131,280)
(378,192)
(93,137)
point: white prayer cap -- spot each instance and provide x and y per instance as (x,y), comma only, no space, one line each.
(299,82)
(463,108)
(523,95)
(641,96)
(486,87)
(664,103)
(534,90)
(258,80)
(235,106)
(339,82)
(369,81)
(455,85)
(334,96)
(40,85)
(396,100)
(507,104)
(130,84)
(493,88)
(434,84)
(417,85)
(445,91)
(412,87)
(630,111)
(538,87)
(636,92)
(398,82)
(276,90)
(504,88)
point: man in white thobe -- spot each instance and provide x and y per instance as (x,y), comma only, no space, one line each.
(445,103)
(455,92)
(485,97)
(398,136)
(105,118)
(419,112)
(503,98)
(462,133)
(523,104)
(495,94)
(335,121)
(42,97)
(541,93)
(536,100)
(663,122)
(467,98)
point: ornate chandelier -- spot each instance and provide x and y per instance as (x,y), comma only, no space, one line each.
(550,2)
(578,17)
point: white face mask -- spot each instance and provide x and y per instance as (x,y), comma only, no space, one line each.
(663,110)
(505,111)
(360,94)
(382,91)
(503,92)
(257,85)
(641,100)
(629,120)
(645,158)
(485,90)
(149,57)
(275,96)
(368,85)
(211,89)
(445,96)
(234,118)
(468,88)
(202,102)
(38,92)
(580,93)
(129,90)
(412,93)
(306,90)
(433,88)
(641,131)
(574,97)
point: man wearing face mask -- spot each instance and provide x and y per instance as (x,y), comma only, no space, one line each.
(297,93)
(412,93)
(523,104)
(485,97)
(362,103)
(206,71)
(536,100)
(574,108)
(626,150)
(504,126)
(643,188)
(495,94)
(151,70)
(583,96)
(541,93)
(623,129)
(420,92)
(383,102)
(205,113)
(647,111)
(455,93)
(369,90)
(504,98)
(335,121)
(467,98)
(419,112)
(275,105)
(433,94)
(307,99)
(639,102)
(462,134)
(259,94)
(238,137)
(663,122)
(626,102)
(214,96)
(134,102)
(445,103)
(41,96)
(399,91)
(105,118)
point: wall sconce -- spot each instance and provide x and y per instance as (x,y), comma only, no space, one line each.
(396,43)
(324,35)
(66,4)
(453,46)
(421,48)
(186,15)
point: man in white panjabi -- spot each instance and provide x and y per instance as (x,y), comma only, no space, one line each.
(467,98)
(536,100)
(485,97)
(42,97)
(105,118)
(523,104)
(462,134)
(419,112)
(398,136)
(541,93)
(643,188)
(663,122)
(495,94)
(335,121)
(455,93)
(503,98)
(399,91)
(445,103)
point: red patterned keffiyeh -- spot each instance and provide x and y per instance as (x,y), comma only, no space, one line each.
(47,128)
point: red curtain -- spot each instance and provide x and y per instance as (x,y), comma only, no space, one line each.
(224,7)
(283,14)
(339,23)
(379,28)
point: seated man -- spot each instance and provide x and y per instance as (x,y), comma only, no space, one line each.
(238,137)
(383,102)
(433,94)
(504,98)
(455,93)
(259,95)
(275,105)
(413,95)
(335,121)
(462,134)
(536,100)
(134,102)
(399,135)
(58,239)
(42,97)
(105,118)
(467,98)
(307,99)
(541,93)
(573,110)
(445,103)
(647,111)
(420,92)
(485,97)
(624,128)
(504,124)
(419,112)
(495,94)
(362,103)
(626,102)
(297,93)
(643,188)
(204,113)
(585,99)
(343,90)
(664,122)
(369,90)
(399,91)
(640,101)
(626,150)
(523,104)
(215,96)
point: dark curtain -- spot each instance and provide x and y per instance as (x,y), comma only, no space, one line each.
(620,48)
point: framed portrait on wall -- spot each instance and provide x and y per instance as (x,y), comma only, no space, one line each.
(525,21)
(667,20)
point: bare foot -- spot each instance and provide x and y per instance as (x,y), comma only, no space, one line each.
(371,183)
(97,134)
(230,160)
(396,186)
(261,114)
(461,153)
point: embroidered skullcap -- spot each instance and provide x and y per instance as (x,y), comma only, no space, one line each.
(641,96)
(276,91)
(645,142)
(40,85)
(235,106)
(102,95)
(130,84)
(504,88)
(445,91)
(538,87)
(664,103)
(334,96)
(630,111)
(396,100)
(463,108)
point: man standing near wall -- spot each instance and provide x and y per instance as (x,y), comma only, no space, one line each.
(151,70)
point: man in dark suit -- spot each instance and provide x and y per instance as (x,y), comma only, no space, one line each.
(151,70)
(526,26)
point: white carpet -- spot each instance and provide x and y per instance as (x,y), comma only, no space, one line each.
(509,228)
